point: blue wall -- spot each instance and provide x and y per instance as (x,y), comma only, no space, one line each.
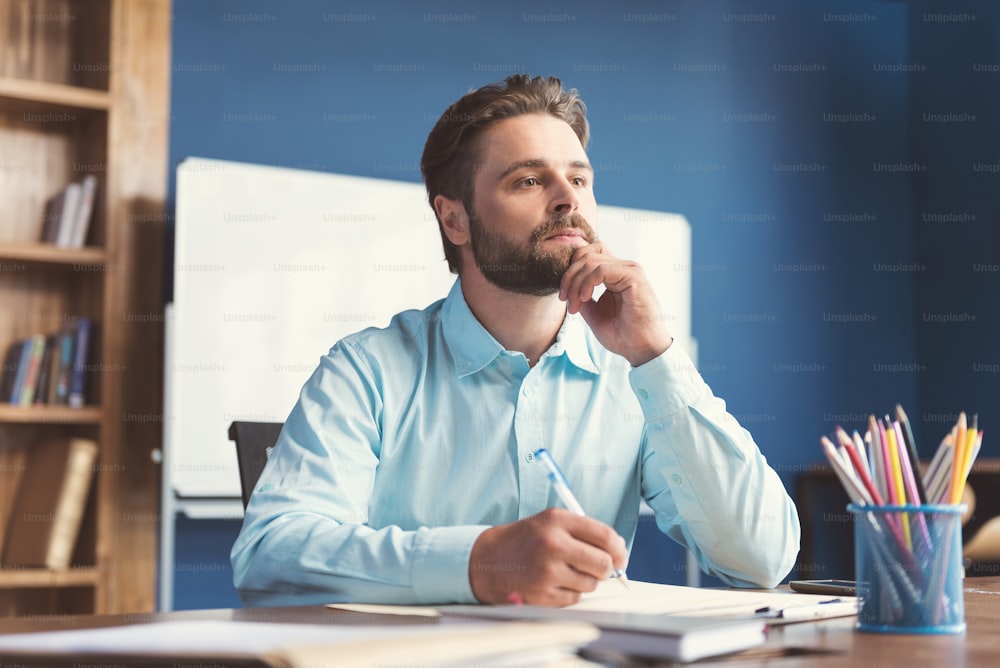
(787,133)
(956,136)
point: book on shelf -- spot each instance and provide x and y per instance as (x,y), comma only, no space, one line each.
(84,212)
(68,213)
(78,375)
(45,371)
(20,371)
(47,512)
(59,390)
(49,369)
(11,368)
(35,350)
(60,212)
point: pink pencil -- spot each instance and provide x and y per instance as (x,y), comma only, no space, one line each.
(911,487)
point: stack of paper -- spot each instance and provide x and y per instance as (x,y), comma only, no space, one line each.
(658,599)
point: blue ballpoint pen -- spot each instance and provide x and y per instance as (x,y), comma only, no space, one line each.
(562,488)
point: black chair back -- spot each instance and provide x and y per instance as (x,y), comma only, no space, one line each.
(254,441)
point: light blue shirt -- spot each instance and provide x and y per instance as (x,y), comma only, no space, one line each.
(407,442)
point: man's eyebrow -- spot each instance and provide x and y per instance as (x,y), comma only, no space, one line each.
(536,163)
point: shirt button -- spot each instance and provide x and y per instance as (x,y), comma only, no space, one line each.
(677,479)
(529,457)
(527,390)
(643,394)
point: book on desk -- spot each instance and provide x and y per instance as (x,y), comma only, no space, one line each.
(659,621)
(676,637)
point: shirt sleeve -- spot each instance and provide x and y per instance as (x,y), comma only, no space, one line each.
(707,482)
(305,537)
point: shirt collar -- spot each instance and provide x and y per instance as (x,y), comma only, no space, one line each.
(473,348)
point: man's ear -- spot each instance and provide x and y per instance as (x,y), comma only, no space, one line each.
(454,219)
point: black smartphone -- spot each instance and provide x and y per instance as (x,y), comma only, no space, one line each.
(835,587)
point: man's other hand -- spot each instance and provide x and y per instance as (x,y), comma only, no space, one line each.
(626,319)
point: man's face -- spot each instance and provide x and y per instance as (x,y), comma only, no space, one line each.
(533,204)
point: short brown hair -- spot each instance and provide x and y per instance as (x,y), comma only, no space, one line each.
(452,149)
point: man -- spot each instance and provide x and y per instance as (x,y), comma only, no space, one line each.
(405,473)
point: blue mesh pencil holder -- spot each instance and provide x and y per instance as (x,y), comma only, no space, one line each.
(908,565)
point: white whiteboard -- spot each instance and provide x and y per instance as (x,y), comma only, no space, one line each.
(273,265)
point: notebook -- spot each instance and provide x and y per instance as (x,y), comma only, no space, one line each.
(675,637)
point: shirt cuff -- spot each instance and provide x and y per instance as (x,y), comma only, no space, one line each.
(666,384)
(441,564)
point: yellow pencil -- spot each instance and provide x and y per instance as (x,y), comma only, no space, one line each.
(958,463)
(972,437)
(897,477)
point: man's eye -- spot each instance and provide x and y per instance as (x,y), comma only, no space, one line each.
(580,181)
(530,181)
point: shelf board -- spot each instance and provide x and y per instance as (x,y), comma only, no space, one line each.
(51,254)
(49,415)
(22,578)
(43,92)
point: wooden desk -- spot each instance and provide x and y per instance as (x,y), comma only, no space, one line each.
(826,643)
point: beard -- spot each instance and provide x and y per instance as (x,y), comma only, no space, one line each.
(525,270)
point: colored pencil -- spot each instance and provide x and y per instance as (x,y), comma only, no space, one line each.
(911,452)
(958,462)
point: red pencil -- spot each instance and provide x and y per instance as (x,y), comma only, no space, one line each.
(863,473)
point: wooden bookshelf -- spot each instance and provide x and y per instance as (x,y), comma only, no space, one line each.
(63,415)
(48,253)
(44,95)
(84,88)
(37,578)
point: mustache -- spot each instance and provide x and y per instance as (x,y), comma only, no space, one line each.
(562,221)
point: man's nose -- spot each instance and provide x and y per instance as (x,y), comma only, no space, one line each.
(565,200)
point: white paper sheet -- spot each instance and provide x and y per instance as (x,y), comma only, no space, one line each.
(204,637)
(658,599)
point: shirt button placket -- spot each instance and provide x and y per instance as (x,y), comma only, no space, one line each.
(528,431)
